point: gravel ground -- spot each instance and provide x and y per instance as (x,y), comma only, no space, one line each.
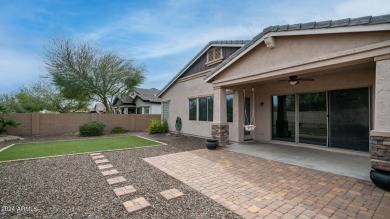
(73,187)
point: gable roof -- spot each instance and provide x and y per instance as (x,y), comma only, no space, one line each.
(329,26)
(226,43)
(148,95)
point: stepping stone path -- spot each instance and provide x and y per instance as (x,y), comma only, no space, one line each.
(135,204)
(110,172)
(101,161)
(116,180)
(124,190)
(102,167)
(171,193)
(97,157)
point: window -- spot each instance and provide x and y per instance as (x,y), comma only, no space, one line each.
(229,107)
(146,109)
(192,107)
(206,108)
(139,110)
(214,55)
(165,110)
(210,108)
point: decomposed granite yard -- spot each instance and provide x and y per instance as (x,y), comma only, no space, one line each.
(180,180)
(74,187)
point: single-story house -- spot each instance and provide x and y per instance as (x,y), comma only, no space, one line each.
(324,84)
(140,101)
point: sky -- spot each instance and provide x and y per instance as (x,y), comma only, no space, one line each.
(162,35)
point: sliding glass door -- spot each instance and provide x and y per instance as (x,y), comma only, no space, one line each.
(312,119)
(350,119)
(283,118)
(339,118)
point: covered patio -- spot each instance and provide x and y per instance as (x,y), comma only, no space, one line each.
(345,163)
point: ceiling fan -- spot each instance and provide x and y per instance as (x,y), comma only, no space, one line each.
(294,80)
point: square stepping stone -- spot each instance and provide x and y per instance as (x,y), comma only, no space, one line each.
(95,154)
(171,193)
(110,172)
(102,167)
(101,161)
(116,180)
(97,157)
(124,190)
(136,204)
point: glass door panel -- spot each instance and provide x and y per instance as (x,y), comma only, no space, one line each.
(283,118)
(349,119)
(312,118)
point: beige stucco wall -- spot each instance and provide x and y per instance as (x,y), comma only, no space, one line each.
(293,49)
(382,100)
(178,95)
(335,80)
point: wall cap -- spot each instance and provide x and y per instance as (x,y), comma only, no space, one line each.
(220,123)
(380,133)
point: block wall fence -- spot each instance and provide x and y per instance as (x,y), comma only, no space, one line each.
(55,124)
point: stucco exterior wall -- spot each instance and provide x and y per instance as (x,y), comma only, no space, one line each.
(293,49)
(178,96)
(345,79)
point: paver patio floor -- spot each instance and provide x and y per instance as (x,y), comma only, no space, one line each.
(258,188)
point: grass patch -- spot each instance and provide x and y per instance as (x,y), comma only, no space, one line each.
(45,149)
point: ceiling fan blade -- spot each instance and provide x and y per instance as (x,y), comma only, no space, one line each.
(305,79)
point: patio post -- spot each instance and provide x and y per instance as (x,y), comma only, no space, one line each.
(380,135)
(220,127)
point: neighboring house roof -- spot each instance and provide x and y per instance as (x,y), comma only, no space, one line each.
(148,95)
(304,28)
(226,43)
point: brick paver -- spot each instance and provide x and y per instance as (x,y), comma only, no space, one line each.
(106,166)
(124,190)
(97,157)
(136,204)
(171,193)
(257,188)
(101,161)
(110,172)
(116,180)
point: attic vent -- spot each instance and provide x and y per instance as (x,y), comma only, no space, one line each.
(214,55)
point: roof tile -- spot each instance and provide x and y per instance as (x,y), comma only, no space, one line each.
(340,23)
(306,26)
(294,26)
(380,19)
(360,21)
(323,24)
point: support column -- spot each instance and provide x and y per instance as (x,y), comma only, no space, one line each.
(380,136)
(220,127)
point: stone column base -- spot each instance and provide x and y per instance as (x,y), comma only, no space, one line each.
(380,150)
(221,133)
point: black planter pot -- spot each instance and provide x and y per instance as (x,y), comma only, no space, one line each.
(211,144)
(381,179)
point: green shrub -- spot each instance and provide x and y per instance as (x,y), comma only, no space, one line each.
(92,129)
(5,121)
(158,126)
(118,130)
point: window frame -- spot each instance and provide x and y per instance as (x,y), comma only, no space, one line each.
(194,107)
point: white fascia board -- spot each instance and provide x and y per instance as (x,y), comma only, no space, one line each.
(353,29)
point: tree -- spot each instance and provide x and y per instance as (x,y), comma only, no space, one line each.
(11,102)
(5,121)
(83,71)
(44,95)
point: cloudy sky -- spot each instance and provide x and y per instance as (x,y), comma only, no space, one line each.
(163,35)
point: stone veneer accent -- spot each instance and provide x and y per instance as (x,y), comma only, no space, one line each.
(380,150)
(221,133)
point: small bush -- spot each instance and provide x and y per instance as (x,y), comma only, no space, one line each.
(118,130)
(92,129)
(158,126)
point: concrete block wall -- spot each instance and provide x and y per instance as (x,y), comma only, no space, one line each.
(56,124)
